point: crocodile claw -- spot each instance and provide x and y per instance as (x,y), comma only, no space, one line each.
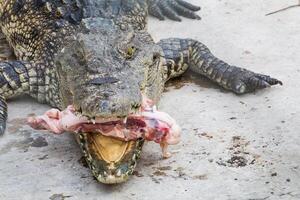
(172,9)
(249,81)
(3,115)
(2,128)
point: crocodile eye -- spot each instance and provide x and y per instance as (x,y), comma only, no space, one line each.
(130,52)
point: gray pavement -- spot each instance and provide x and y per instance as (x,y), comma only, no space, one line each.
(233,147)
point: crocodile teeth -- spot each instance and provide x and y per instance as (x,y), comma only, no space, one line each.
(154,108)
(134,157)
(99,176)
(105,173)
(119,173)
(125,120)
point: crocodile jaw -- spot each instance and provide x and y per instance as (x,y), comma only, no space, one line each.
(111,160)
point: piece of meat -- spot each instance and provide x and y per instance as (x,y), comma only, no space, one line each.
(57,121)
(152,125)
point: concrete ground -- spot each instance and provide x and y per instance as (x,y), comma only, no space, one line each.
(233,147)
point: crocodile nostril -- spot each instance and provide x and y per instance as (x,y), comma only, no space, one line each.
(156,56)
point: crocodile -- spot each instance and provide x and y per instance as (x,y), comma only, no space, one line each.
(96,58)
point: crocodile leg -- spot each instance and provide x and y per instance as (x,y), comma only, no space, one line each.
(184,53)
(14,80)
(172,9)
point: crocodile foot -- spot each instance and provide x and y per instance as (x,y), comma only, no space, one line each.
(172,9)
(248,81)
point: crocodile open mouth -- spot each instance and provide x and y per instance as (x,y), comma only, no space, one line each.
(111,160)
(112,145)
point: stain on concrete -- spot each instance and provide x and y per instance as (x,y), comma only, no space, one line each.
(16,124)
(137,174)
(159,173)
(43,157)
(149,164)
(83,162)
(59,197)
(163,172)
(164,168)
(180,173)
(200,177)
(239,154)
(31,115)
(155,180)
(205,135)
(21,144)
(39,142)
(237,161)
(274,174)
(24,142)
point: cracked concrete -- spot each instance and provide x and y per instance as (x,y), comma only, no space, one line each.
(233,147)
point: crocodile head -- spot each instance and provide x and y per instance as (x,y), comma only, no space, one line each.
(104,74)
